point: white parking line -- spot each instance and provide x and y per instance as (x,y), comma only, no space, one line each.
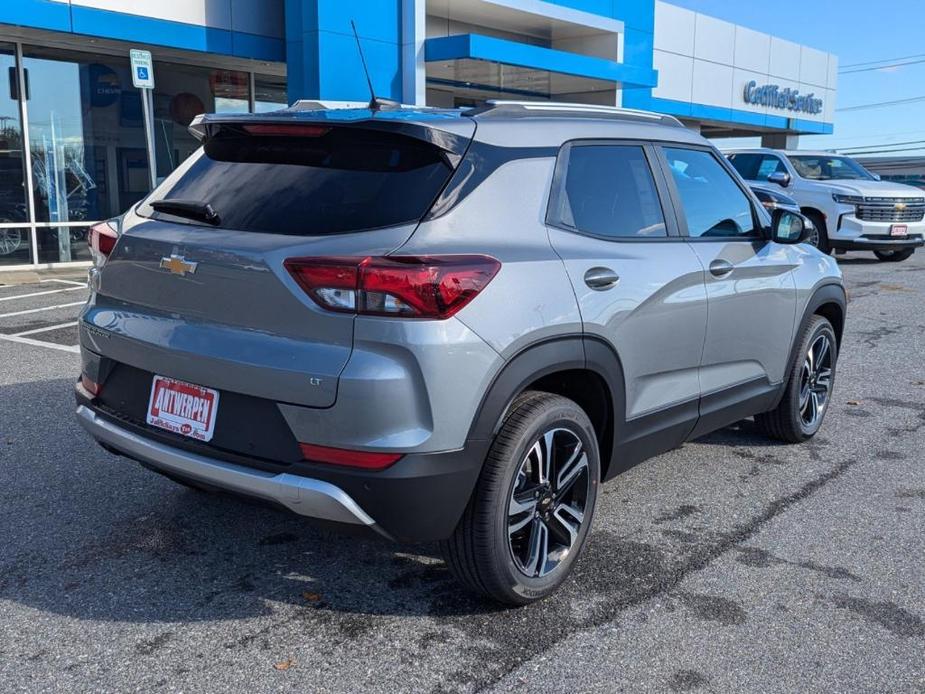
(79,284)
(50,291)
(44,308)
(45,329)
(73,349)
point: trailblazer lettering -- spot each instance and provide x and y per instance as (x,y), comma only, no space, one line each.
(775,97)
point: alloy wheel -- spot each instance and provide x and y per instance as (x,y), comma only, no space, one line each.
(10,240)
(547,503)
(816,381)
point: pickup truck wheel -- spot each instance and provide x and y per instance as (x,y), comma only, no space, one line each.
(531,510)
(808,392)
(894,256)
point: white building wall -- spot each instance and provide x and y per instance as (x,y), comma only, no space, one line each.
(704,60)
(262,17)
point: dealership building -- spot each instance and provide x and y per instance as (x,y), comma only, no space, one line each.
(94,147)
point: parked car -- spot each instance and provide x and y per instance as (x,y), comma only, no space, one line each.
(449,325)
(774,200)
(851,207)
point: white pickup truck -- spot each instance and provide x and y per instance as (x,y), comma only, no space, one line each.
(851,208)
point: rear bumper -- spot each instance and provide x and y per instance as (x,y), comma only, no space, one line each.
(419,499)
(305,496)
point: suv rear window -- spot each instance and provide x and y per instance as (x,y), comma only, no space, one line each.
(346,179)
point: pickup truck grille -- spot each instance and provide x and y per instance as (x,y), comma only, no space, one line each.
(892,210)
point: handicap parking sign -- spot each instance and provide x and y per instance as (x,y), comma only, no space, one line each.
(142,69)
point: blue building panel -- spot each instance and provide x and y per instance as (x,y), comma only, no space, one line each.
(39,14)
(322,56)
(479,47)
(123,26)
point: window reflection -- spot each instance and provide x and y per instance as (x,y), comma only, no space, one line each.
(84,124)
(182,92)
(269,93)
(15,246)
(63,244)
(12,177)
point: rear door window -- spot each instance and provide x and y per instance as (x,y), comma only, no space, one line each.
(608,191)
(333,181)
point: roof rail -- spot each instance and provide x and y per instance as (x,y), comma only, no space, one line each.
(539,107)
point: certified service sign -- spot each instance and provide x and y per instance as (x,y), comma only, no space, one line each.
(775,97)
(142,69)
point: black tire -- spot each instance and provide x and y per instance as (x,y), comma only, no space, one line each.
(894,256)
(481,552)
(822,236)
(788,421)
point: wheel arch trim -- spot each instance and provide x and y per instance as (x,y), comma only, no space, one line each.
(563,353)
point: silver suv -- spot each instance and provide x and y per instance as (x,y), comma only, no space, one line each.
(450,325)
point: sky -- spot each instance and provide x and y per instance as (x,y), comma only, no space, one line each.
(857,31)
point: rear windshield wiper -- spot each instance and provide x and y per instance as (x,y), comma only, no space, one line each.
(191,209)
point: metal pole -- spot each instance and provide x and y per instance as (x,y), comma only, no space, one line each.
(27,152)
(147,106)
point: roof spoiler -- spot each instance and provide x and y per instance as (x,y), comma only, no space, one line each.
(452,135)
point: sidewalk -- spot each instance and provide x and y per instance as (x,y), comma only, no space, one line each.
(14,278)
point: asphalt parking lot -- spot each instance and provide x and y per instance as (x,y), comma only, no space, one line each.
(731,564)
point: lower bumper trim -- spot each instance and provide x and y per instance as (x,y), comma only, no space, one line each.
(302,495)
(866,244)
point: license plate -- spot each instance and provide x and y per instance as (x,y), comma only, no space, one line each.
(899,230)
(183,408)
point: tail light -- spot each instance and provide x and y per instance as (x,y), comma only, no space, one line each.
(397,286)
(103,239)
(341,456)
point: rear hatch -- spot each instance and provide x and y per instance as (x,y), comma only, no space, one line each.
(204,296)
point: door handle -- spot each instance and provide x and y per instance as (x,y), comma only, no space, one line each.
(601,278)
(721,268)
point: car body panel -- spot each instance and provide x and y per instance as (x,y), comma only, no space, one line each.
(751,309)
(664,337)
(655,317)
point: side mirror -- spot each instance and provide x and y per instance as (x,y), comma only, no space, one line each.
(788,227)
(876,176)
(781,178)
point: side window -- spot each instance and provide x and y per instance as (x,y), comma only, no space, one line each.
(714,205)
(608,190)
(746,164)
(769,164)
(756,167)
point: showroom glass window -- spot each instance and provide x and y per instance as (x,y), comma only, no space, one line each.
(269,93)
(714,206)
(15,246)
(87,144)
(182,92)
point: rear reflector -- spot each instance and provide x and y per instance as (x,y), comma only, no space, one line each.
(397,286)
(340,456)
(90,386)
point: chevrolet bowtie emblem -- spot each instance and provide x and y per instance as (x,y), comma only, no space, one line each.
(900,206)
(178,265)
